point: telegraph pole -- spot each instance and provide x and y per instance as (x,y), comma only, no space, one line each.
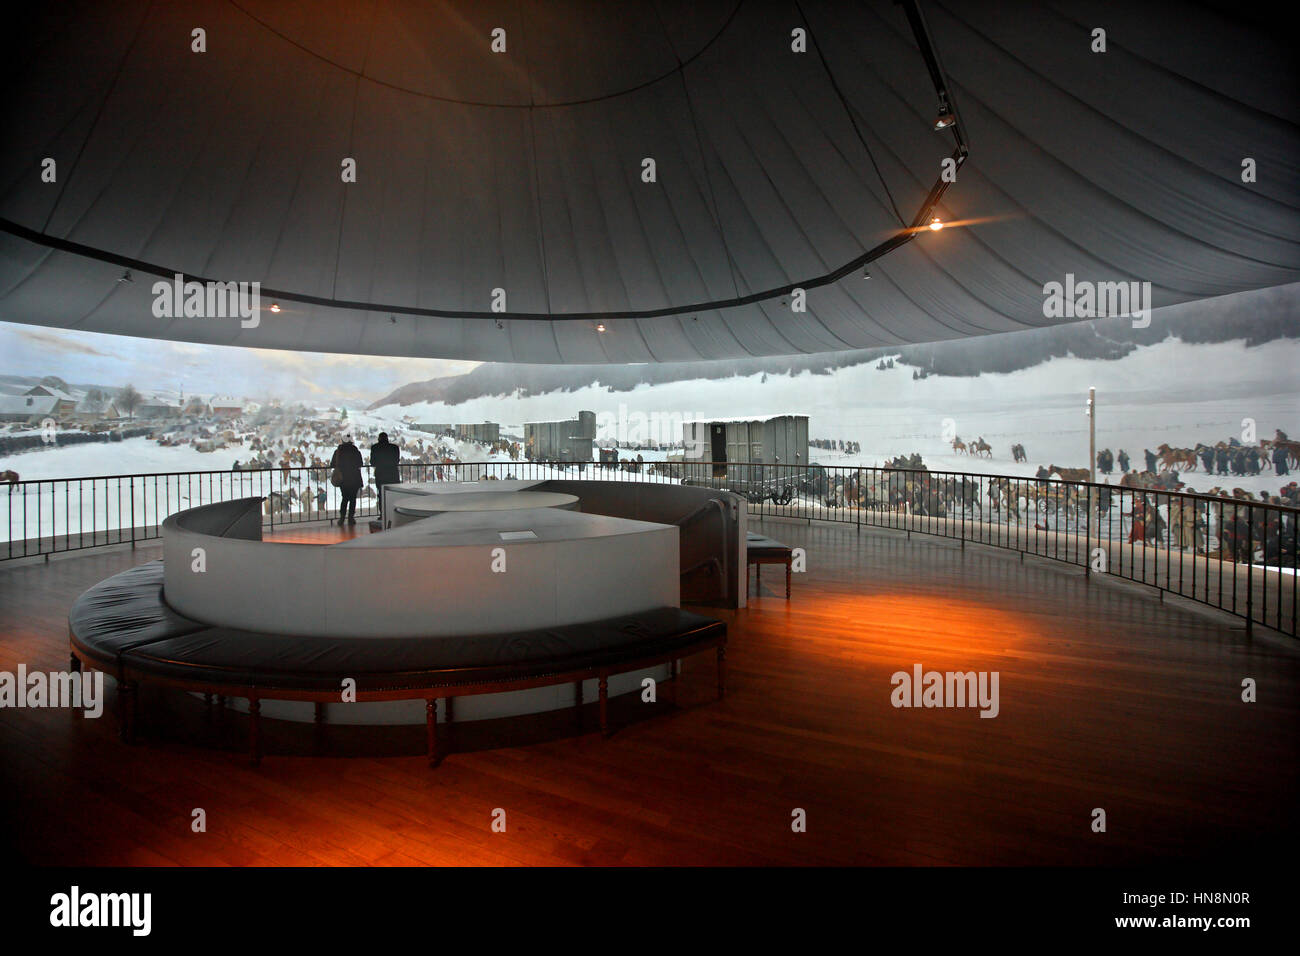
(1092,434)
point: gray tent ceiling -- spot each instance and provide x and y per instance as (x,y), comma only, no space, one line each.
(522,170)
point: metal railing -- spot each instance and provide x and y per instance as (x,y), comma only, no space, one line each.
(1236,555)
(53,515)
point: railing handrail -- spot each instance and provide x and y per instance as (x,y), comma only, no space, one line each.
(803,470)
(208,471)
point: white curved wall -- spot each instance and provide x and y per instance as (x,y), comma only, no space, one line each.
(432,577)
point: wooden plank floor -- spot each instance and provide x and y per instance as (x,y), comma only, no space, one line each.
(1108,699)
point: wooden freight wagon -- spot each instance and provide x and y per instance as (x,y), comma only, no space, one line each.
(741,453)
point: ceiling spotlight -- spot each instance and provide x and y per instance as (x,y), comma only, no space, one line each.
(126,277)
(866,273)
(275,306)
(945,118)
(499,325)
(936,223)
(393,319)
(600,326)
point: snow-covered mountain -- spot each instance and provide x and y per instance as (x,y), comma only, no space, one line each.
(1256,318)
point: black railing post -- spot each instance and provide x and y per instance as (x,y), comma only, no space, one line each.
(1250,571)
(1087,537)
(132,512)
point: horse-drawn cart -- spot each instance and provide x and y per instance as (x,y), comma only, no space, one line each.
(779,489)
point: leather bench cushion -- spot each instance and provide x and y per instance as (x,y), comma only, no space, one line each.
(125,611)
(757,545)
(308,662)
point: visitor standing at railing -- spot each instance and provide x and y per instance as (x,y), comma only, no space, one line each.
(384,458)
(346,476)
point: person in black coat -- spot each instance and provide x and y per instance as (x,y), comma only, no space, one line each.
(347,459)
(1221,460)
(1237,461)
(1280,461)
(384,457)
(1253,466)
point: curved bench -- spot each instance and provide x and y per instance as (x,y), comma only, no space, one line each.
(124,626)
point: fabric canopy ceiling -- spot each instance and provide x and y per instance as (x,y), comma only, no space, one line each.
(522,170)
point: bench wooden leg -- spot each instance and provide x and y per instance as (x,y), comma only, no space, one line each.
(320,712)
(722,671)
(126,703)
(674,672)
(432,740)
(254,731)
(787,580)
(451,710)
(604,705)
(758,579)
(577,703)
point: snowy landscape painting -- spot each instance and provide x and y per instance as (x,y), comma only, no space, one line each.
(1191,380)
(95,440)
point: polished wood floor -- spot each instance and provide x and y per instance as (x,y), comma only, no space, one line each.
(1108,699)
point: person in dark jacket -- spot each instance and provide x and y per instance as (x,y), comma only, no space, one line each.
(1207,458)
(347,459)
(384,456)
(1221,460)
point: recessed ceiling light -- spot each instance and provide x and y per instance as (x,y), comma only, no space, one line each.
(600,326)
(936,223)
(275,306)
(945,118)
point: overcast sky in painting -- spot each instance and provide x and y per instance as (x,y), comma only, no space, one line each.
(92,358)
